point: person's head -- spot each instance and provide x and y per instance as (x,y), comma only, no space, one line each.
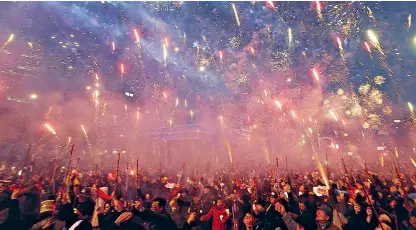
(158,205)
(302,206)
(164,179)
(324,213)
(357,208)
(82,198)
(148,196)
(207,189)
(195,199)
(273,198)
(248,220)
(220,202)
(107,207)
(302,188)
(358,186)
(286,188)
(173,205)
(340,197)
(259,205)
(137,204)
(367,184)
(36,178)
(84,195)
(77,189)
(392,202)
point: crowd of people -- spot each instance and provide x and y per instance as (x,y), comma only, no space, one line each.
(237,199)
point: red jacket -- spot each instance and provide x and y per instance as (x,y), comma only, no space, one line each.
(217,212)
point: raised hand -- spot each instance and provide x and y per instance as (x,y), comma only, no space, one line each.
(126,216)
(280,208)
(191,218)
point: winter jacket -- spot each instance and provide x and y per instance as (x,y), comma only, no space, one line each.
(220,217)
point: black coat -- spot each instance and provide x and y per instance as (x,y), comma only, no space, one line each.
(158,221)
(106,220)
(10,214)
(273,219)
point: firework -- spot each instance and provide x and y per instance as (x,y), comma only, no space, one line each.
(410,107)
(176,102)
(30,45)
(191,114)
(165,53)
(166,42)
(122,68)
(252,50)
(370,12)
(50,129)
(319,10)
(379,80)
(278,104)
(221,120)
(382,160)
(322,171)
(413,161)
(341,49)
(69,141)
(290,36)
(333,115)
(136,36)
(11,37)
(374,40)
(235,14)
(396,151)
(315,74)
(221,55)
(266,152)
(113,44)
(230,154)
(409,21)
(85,132)
(293,114)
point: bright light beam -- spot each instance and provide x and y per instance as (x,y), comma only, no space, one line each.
(235,14)
(50,129)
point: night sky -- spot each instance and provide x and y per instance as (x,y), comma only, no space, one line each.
(274,77)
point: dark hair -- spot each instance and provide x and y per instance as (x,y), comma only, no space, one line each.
(161,201)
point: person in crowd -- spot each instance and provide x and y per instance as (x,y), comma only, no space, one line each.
(83,205)
(231,201)
(219,215)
